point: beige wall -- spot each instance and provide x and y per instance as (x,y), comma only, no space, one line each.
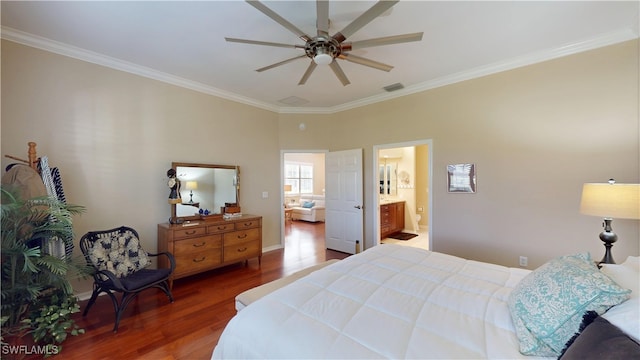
(422,184)
(535,134)
(114,135)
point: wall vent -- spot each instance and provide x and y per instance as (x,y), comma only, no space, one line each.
(293,101)
(393,87)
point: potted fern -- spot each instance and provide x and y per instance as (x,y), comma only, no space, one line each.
(37,296)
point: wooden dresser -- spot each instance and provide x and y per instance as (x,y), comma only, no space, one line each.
(391,218)
(208,244)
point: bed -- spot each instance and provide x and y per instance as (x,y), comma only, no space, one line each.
(396,302)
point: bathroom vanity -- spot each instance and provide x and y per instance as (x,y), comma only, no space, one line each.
(391,218)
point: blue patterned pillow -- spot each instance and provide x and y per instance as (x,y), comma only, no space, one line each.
(119,253)
(548,304)
(308,204)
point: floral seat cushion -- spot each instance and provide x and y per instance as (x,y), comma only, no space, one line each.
(118,252)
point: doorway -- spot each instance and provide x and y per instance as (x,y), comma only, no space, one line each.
(303,179)
(403,172)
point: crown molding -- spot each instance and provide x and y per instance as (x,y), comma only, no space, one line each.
(509,64)
(42,43)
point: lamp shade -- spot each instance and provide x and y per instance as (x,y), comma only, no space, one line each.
(287,188)
(192,185)
(621,201)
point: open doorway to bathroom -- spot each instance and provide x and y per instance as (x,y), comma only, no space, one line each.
(403,193)
(303,179)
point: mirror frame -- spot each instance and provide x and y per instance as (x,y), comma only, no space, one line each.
(175,165)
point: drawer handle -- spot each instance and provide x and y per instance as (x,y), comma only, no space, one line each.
(242,250)
(190,232)
(242,236)
(199,260)
(248,224)
(199,245)
(222,228)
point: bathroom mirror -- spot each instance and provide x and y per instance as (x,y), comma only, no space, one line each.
(388,178)
(205,186)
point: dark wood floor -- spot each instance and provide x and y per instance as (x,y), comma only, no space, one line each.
(189,328)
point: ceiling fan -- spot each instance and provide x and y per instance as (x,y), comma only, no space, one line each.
(324,49)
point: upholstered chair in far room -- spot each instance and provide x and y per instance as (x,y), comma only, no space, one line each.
(120,266)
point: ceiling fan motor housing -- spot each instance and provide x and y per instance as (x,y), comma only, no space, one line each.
(319,47)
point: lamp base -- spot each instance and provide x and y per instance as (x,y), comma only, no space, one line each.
(608,237)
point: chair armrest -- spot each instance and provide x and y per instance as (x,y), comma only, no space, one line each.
(169,255)
(111,276)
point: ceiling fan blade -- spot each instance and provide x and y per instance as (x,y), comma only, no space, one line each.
(387,40)
(265,43)
(322,22)
(280,63)
(312,66)
(362,20)
(366,62)
(339,73)
(279,19)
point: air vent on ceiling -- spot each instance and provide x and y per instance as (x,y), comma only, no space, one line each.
(293,101)
(393,87)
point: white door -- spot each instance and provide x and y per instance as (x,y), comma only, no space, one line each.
(344,219)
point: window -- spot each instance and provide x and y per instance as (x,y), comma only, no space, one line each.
(299,176)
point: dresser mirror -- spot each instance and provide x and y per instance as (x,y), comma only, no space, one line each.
(205,187)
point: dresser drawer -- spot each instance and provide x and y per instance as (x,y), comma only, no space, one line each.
(240,251)
(220,228)
(197,245)
(197,262)
(188,232)
(248,224)
(241,236)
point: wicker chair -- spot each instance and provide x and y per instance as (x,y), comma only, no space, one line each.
(120,267)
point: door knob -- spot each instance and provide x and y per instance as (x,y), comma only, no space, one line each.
(358,207)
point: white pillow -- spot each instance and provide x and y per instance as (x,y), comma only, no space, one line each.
(625,274)
(626,316)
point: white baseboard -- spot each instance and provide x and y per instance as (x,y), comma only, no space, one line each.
(273,247)
(86,295)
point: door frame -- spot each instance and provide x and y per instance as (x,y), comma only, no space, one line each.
(376,196)
(282,153)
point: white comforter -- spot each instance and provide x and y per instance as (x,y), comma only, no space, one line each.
(390,301)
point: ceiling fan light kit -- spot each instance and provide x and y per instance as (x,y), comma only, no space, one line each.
(322,59)
(323,49)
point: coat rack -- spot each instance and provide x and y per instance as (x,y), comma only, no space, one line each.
(33,156)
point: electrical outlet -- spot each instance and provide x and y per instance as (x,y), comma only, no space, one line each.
(524,261)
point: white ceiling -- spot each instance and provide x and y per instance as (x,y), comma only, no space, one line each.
(183,43)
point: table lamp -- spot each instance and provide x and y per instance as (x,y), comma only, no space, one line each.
(191,185)
(610,200)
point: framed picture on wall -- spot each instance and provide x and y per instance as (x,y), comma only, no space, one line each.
(461,178)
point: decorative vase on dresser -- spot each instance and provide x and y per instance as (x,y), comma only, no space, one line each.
(200,246)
